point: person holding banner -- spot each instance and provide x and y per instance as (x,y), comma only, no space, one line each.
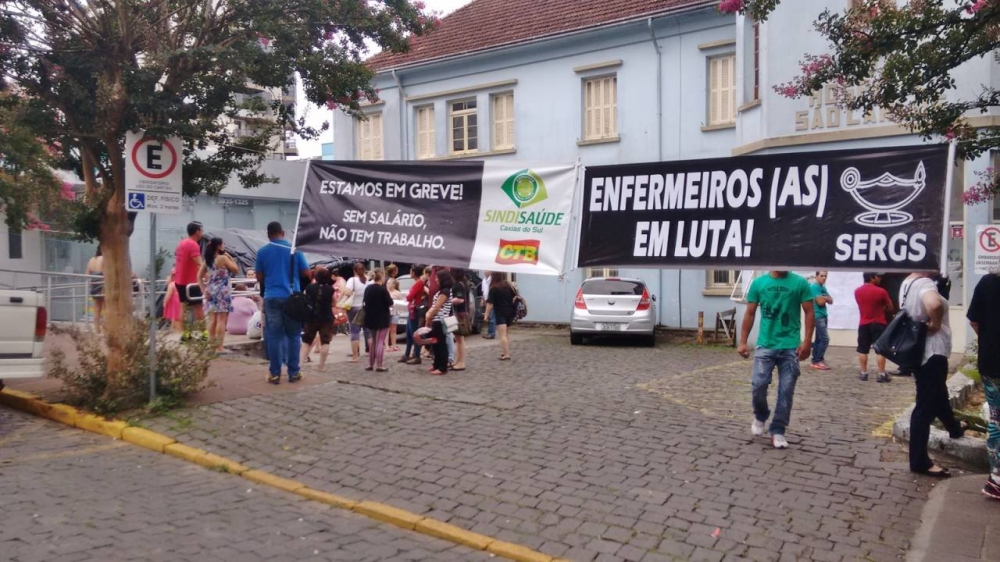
(440,309)
(277,283)
(779,344)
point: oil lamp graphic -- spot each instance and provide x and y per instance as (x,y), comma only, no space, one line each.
(884,196)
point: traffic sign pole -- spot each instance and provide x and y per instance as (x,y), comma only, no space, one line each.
(152,306)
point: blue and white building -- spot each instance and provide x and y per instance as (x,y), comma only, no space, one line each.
(610,82)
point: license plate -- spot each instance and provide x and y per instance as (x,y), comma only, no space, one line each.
(611,327)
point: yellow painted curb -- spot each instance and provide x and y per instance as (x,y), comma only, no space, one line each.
(388,514)
(72,417)
(273,481)
(449,532)
(146,438)
(517,552)
(329,499)
(182,451)
(98,424)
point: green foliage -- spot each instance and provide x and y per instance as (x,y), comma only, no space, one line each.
(180,371)
(901,58)
(88,71)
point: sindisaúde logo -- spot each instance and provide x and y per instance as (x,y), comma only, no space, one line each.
(513,252)
(524,188)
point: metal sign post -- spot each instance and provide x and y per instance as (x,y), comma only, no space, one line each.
(153,179)
(152,306)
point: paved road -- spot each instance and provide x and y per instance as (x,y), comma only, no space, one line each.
(70,496)
(596,452)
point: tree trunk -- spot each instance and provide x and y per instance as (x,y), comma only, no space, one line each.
(114,237)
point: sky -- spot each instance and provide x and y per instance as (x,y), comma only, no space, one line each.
(315,115)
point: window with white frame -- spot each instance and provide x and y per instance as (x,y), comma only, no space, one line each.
(722,90)
(369,145)
(600,108)
(464,130)
(503,121)
(601,272)
(425,132)
(722,279)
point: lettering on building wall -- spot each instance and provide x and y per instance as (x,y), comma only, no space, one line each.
(823,112)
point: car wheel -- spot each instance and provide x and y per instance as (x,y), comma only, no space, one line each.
(650,340)
(575,339)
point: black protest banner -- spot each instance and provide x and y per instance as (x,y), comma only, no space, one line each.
(399,211)
(851,210)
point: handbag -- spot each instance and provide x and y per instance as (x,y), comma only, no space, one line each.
(359,318)
(464,324)
(450,324)
(299,307)
(904,338)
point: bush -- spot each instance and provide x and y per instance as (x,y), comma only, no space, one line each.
(180,371)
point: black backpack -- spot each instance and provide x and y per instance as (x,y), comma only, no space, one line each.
(299,307)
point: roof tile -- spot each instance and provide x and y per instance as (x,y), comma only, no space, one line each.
(484,24)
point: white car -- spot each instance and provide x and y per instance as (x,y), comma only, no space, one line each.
(613,306)
(23,322)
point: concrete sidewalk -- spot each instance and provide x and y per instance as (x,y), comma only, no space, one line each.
(959,524)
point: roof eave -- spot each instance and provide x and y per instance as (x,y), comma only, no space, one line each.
(538,39)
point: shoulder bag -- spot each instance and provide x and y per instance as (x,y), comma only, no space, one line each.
(904,338)
(299,307)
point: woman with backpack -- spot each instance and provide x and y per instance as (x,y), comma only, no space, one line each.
(461,293)
(378,319)
(320,325)
(501,302)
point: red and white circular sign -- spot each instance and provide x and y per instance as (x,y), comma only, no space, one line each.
(154,159)
(989,239)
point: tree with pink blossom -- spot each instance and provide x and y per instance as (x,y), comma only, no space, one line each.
(900,57)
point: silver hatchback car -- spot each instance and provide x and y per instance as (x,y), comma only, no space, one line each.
(613,306)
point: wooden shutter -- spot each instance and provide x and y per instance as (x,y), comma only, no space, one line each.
(503,121)
(722,90)
(425,132)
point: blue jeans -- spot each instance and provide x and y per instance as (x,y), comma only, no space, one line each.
(992,387)
(822,339)
(449,338)
(412,325)
(764,361)
(282,337)
(492,329)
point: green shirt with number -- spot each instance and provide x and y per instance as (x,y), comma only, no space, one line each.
(780,302)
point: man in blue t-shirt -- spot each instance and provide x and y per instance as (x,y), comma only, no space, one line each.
(282,335)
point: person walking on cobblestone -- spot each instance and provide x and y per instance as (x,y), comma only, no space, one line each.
(875,306)
(919,297)
(985,322)
(779,294)
(277,283)
(500,304)
(821,298)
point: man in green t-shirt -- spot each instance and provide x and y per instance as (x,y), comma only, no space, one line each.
(821,298)
(779,294)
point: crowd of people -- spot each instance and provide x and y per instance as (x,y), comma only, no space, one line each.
(439,313)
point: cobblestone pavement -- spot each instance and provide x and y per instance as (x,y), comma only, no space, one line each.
(70,496)
(596,452)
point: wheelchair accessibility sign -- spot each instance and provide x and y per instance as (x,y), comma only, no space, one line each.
(153,174)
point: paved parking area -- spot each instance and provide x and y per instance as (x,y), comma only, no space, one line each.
(596,452)
(68,496)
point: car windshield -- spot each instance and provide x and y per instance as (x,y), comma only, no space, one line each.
(612,287)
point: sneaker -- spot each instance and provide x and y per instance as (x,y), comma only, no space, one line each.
(185,337)
(757,427)
(863,376)
(295,378)
(820,366)
(883,377)
(991,489)
(273,379)
(779,442)
(414,361)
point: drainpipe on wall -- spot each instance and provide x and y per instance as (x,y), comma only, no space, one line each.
(404,141)
(659,128)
